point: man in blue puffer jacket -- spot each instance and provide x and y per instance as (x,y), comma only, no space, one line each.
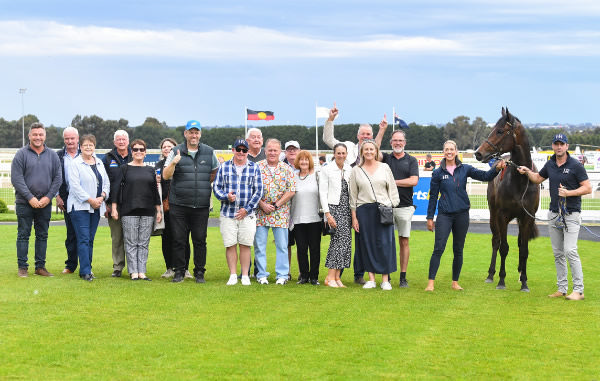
(450,180)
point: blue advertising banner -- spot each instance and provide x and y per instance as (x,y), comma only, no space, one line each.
(421,196)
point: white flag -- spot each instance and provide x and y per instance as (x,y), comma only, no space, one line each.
(322,112)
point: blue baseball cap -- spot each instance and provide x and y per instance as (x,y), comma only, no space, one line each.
(193,124)
(560,138)
(240,142)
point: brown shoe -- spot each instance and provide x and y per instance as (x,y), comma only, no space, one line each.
(67,271)
(23,272)
(43,272)
(557,294)
(575,296)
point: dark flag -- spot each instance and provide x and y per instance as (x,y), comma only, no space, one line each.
(400,122)
(260,115)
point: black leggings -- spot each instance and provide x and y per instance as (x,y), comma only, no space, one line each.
(458,224)
(308,237)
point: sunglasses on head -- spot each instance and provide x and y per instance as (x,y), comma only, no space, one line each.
(138,149)
(241,149)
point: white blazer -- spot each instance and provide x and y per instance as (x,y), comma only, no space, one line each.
(83,185)
(330,184)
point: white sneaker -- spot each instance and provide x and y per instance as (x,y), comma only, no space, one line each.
(188,275)
(386,286)
(168,274)
(245,281)
(370,284)
(281,281)
(232,280)
(263,280)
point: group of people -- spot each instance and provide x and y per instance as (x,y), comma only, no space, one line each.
(261,188)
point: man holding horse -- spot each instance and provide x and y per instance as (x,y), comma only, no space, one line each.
(568,182)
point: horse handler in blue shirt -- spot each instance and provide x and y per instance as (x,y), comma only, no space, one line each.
(568,182)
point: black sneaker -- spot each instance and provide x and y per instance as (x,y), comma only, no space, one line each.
(302,281)
(403,283)
(359,280)
(200,278)
(116,274)
(178,278)
(314,282)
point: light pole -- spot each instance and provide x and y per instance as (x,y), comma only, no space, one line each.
(22,92)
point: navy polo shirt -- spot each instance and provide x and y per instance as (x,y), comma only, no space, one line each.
(570,175)
(403,168)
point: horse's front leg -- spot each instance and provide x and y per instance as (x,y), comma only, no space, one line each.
(523,256)
(503,227)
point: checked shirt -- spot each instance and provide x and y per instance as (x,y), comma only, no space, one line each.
(248,188)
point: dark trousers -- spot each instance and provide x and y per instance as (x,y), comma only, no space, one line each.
(458,224)
(186,221)
(70,244)
(308,237)
(167,244)
(359,270)
(85,224)
(40,219)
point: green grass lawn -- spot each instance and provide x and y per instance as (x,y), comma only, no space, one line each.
(65,328)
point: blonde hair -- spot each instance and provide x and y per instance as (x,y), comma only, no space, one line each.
(451,142)
(368,141)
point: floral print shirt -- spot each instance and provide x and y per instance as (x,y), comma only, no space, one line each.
(275,183)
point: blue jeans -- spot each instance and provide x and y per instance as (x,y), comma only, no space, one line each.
(70,244)
(40,219)
(282,265)
(458,224)
(85,225)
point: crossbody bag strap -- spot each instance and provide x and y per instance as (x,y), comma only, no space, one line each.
(373,189)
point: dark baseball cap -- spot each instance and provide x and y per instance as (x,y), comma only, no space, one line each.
(240,142)
(560,138)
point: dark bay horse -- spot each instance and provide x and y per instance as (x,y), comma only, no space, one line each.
(510,195)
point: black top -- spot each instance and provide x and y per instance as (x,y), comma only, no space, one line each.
(430,164)
(112,161)
(140,191)
(165,185)
(570,175)
(403,168)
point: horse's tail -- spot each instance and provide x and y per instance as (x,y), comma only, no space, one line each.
(535,232)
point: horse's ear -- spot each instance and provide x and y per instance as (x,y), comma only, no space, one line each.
(508,116)
(503,112)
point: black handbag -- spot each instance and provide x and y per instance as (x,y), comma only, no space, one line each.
(326,229)
(386,213)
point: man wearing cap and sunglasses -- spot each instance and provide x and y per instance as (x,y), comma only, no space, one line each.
(568,182)
(192,166)
(238,185)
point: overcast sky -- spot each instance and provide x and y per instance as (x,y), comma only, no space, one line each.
(206,60)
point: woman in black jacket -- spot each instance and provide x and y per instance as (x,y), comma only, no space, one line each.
(136,191)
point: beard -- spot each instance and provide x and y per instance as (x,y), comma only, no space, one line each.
(398,150)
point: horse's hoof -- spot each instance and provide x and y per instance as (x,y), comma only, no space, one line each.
(489,280)
(500,287)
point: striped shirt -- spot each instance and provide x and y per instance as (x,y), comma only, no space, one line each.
(248,188)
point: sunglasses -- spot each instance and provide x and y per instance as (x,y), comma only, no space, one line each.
(138,149)
(240,149)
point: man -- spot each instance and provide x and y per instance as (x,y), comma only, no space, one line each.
(119,155)
(365,131)
(568,182)
(66,155)
(429,163)
(36,176)
(192,167)
(255,142)
(238,185)
(322,161)
(291,151)
(279,186)
(406,174)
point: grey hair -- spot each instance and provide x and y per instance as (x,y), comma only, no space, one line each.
(253,129)
(70,129)
(121,133)
(273,140)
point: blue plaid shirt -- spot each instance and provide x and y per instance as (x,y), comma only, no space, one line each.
(248,188)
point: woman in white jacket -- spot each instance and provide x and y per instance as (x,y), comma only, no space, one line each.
(88,188)
(335,201)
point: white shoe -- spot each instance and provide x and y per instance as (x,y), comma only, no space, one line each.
(232,280)
(245,281)
(263,280)
(281,281)
(370,284)
(188,275)
(386,286)
(168,274)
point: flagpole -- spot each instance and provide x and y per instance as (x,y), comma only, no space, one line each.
(246,122)
(316,132)
(393,118)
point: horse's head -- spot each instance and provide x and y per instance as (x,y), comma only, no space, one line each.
(502,138)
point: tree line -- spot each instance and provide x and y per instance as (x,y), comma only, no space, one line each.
(467,134)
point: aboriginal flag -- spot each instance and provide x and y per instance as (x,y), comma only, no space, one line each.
(260,115)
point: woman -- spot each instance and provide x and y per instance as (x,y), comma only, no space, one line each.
(372,183)
(450,179)
(88,188)
(165,148)
(305,219)
(335,201)
(139,205)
